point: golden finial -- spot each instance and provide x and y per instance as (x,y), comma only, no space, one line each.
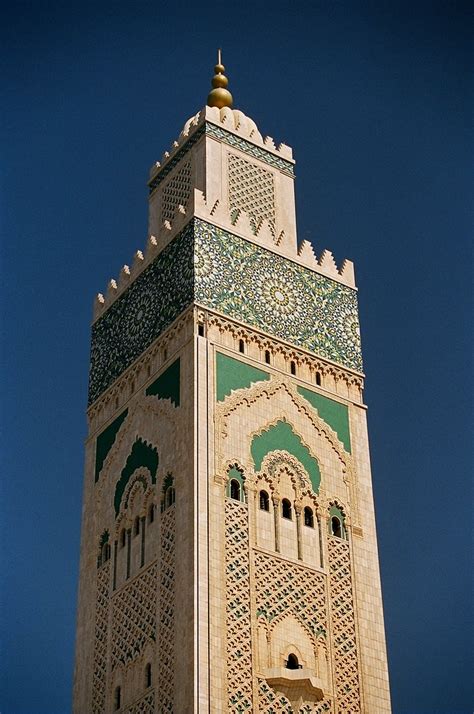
(219,96)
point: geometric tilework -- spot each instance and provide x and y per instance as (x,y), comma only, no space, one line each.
(152,302)
(134,617)
(264,290)
(239,651)
(99,677)
(343,627)
(221,271)
(251,189)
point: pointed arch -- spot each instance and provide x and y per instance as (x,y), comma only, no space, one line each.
(281,436)
(142,454)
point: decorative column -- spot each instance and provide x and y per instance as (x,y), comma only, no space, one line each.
(142,555)
(129,548)
(250,491)
(298,510)
(322,540)
(276,515)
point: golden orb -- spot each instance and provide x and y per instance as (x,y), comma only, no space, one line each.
(219,80)
(219,97)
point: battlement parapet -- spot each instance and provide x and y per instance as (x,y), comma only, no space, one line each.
(239,223)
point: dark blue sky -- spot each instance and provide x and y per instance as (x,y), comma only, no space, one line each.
(375,99)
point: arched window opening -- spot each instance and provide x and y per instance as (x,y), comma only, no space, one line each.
(286,509)
(292,367)
(336,527)
(267,356)
(123,538)
(241,346)
(308,517)
(136,526)
(169,497)
(105,553)
(235,490)
(318,379)
(117,698)
(151,513)
(292,662)
(264,501)
(148,675)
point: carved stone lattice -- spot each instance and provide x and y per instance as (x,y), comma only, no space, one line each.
(252,189)
(272,703)
(285,588)
(239,652)
(100,643)
(343,628)
(134,617)
(145,705)
(176,192)
(167,609)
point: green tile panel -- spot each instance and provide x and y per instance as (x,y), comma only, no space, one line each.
(234,374)
(333,413)
(167,385)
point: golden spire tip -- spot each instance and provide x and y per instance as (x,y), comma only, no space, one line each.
(219,96)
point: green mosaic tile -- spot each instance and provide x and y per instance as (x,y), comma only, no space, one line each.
(221,271)
(153,301)
(264,290)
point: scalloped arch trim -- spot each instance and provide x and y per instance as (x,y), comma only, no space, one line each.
(142,454)
(281,436)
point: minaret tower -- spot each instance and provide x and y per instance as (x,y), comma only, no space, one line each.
(229,555)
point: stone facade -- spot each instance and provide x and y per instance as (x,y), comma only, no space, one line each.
(229,555)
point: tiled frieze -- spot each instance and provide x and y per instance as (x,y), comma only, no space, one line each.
(264,290)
